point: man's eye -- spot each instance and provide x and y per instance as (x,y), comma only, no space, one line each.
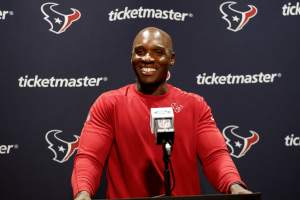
(139,51)
(159,51)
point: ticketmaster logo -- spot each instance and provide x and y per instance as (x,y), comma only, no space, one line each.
(7,149)
(141,13)
(229,79)
(5,13)
(289,9)
(53,82)
(291,140)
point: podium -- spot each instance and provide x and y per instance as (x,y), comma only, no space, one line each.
(254,196)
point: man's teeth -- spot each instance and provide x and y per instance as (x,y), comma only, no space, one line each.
(148,69)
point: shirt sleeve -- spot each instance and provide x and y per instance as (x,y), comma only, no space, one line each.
(213,153)
(94,146)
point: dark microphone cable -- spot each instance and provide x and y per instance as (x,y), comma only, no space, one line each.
(172,174)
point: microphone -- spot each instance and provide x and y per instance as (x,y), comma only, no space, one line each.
(162,125)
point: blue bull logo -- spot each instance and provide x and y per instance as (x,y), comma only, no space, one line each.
(238,145)
(62,149)
(236,19)
(59,22)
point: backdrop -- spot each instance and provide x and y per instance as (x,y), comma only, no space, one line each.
(57,57)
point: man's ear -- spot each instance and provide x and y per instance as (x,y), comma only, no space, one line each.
(131,55)
(172,59)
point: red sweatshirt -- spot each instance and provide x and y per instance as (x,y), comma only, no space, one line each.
(118,131)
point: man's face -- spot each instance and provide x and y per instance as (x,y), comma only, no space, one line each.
(151,57)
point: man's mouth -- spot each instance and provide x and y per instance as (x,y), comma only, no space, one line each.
(148,70)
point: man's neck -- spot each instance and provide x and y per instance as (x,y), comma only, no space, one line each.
(152,89)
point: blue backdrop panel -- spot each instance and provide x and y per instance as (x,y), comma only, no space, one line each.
(58,56)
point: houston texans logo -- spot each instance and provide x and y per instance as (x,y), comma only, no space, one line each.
(236,19)
(58,22)
(62,149)
(237,144)
(176,107)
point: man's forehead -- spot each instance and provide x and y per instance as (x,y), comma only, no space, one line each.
(140,45)
(157,34)
(153,36)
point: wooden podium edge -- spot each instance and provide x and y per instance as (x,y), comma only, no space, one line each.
(253,196)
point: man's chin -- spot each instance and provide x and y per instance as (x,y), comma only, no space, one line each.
(150,83)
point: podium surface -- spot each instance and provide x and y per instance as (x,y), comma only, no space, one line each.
(254,196)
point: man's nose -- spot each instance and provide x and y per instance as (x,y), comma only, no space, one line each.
(148,58)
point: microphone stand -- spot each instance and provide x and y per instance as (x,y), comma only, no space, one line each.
(166,155)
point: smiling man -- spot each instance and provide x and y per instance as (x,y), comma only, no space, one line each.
(152,55)
(117,132)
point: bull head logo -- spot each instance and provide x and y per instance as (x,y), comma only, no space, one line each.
(58,22)
(236,19)
(237,144)
(62,149)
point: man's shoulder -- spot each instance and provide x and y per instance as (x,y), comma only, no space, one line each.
(186,94)
(113,95)
(191,99)
(122,91)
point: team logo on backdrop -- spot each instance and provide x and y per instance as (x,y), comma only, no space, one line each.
(8,148)
(5,13)
(236,19)
(238,144)
(291,9)
(62,149)
(292,140)
(59,22)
